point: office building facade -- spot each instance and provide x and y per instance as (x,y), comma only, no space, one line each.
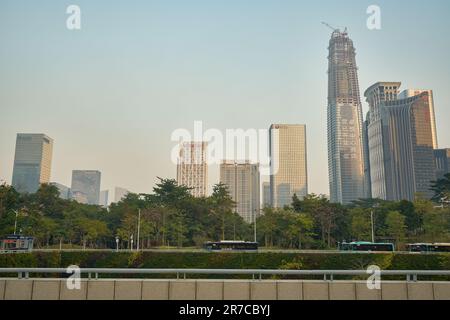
(288,153)
(86,186)
(442,161)
(120,194)
(64,191)
(400,143)
(32,162)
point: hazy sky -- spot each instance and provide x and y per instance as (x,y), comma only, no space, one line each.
(111,94)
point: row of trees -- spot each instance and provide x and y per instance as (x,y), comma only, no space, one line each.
(170,216)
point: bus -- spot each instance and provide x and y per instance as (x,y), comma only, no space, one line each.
(231,246)
(429,247)
(366,246)
(16,243)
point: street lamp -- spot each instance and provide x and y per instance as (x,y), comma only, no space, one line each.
(254,226)
(139,229)
(117,243)
(15,222)
(372,221)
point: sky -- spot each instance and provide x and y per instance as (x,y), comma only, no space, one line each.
(112,93)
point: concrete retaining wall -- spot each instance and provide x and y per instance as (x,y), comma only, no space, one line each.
(106,289)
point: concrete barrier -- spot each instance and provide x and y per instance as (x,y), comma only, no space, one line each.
(74,294)
(290,290)
(315,290)
(342,290)
(135,289)
(18,289)
(128,290)
(45,290)
(420,291)
(441,291)
(209,290)
(155,290)
(263,290)
(364,293)
(394,291)
(236,290)
(182,290)
(2,289)
(100,290)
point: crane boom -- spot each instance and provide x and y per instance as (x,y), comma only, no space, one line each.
(329,26)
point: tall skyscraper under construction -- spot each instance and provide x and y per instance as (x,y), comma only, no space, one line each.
(345,153)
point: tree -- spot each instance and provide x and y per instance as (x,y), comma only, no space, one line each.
(222,204)
(396,226)
(441,190)
(360,224)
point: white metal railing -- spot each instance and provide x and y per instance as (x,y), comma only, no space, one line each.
(328,275)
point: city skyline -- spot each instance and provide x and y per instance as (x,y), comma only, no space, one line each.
(66,103)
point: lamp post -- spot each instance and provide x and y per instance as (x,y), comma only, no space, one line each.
(373,231)
(15,222)
(139,229)
(117,243)
(372,221)
(254,226)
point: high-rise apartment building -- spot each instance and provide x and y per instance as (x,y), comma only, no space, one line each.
(32,162)
(288,155)
(192,169)
(243,183)
(345,150)
(400,143)
(86,186)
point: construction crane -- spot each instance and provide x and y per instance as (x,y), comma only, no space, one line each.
(334,29)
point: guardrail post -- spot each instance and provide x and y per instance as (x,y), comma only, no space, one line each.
(324,277)
(331,277)
(415,278)
(96,276)
(178,276)
(19,275)
(408,277)
(89,275)
(27,275)
(260,277)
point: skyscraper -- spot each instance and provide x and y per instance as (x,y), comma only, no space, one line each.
(32,162)
(408,93)
(104,198)
(120,194)
(345,151)
(243,182)
(442,160)
(192,169)
(64,191)
(401,143)
(289,174)
(86,186)
(266,194)
(376,96)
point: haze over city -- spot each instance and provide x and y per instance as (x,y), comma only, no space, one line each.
(111,94)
